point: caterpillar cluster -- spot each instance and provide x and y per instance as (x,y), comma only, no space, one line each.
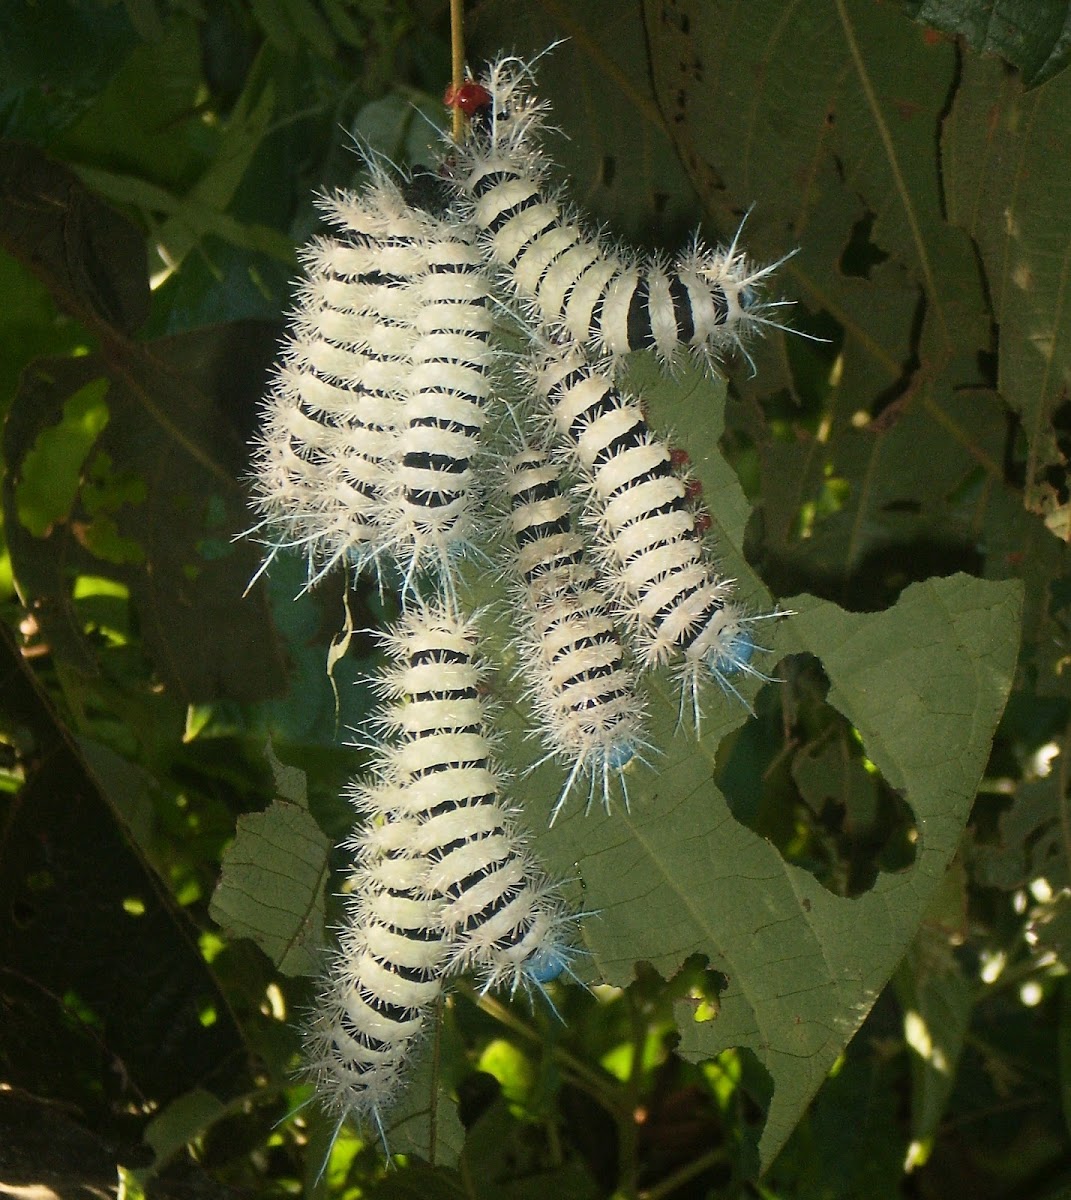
(371,457)
(374,414)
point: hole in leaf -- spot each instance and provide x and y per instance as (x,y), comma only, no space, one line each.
(860,254)
(823,803)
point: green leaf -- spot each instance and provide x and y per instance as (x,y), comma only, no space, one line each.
(290,782)
(51,470)
(272,883)
(180,1122)
(937,999)
(1030,840)
(145,122)
(1033,35)
(924,684)
(213,192)
(1005,183)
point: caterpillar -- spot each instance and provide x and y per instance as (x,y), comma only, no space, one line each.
(708,301)
(329,424)
(373,1003)
(658,567)
(586,698)
(432,502)
(436,796)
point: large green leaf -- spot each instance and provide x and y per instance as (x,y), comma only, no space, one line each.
(925,684)
(279,854)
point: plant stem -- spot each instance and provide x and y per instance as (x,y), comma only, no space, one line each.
(593,1081)
(457,61)
(689,1171)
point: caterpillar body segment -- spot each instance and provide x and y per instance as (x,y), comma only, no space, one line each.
(369,1018)
(322,458)
(432,506)
(438,797)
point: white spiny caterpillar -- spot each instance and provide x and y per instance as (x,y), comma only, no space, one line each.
(433,498)
(658,567)
(321,461)
(569,279)
(382,981)
(585,696)
(437,796)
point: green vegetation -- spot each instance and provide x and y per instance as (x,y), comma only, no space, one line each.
(827,945)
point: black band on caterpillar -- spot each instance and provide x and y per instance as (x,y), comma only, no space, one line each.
(383,981)
(329,424)
(433,501)
(437,797)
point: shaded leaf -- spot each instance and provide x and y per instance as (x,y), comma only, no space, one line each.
(184,1119)
(937,999)
(612,149)
(1030,840)
(1033,35)
(158,506)
(44,1150)
(108,1002)
(923,683)
(90,258)
(1003,153)
(271,888)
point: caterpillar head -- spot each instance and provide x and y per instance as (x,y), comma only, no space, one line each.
(548,963)
(732,652)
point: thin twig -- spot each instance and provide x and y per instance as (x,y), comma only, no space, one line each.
(457,61)
(689,1171)
(594,1082)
